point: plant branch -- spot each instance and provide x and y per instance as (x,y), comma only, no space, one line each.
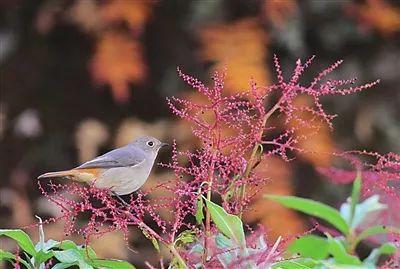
(169,245)
(208,215)
(140,223)
(252,163)
(179,258)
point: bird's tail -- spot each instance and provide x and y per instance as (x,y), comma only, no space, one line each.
(67,173)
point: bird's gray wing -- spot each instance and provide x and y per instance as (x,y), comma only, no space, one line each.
(120,157)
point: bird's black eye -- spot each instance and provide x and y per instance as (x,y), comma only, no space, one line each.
(150,143)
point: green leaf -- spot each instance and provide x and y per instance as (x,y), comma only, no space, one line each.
(199,211)
(72,256)
(85,251)
(185,237)
(385,249)
(152,238)
(330,264)
(228,224)
(313,208)
(22,239)
(112,264)
(375,230)
(223,242)
(46,245)
(42,256)
(44,250)
(68,256)
(337,250)
(310,246)
(227,250)
(5,255)
(63,265)
(355,195)
(8,256)
(299,263)
(175,264)
(84,265)
(68,244)
(88,252)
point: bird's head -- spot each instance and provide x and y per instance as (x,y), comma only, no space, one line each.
(148,144)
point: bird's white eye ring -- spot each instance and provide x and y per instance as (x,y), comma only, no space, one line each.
(150,143)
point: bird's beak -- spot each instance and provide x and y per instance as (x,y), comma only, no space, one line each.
(164,145)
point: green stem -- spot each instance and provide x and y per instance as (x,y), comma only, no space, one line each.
(355,196)
(246,174)
(181,261)
(351,243)
(208,214)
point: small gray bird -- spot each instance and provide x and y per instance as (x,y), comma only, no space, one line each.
(122,170)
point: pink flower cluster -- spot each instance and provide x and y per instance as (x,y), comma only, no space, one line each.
(235,132)
(228,127)
(319,87)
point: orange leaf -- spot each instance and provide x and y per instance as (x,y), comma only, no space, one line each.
(134,13)
(378,14)
(241,47)
(117,62)
(278,11)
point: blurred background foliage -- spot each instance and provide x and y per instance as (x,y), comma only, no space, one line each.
(81,77)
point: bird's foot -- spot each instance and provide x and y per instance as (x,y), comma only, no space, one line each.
(120,199)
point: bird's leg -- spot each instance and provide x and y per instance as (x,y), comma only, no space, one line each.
(120,198)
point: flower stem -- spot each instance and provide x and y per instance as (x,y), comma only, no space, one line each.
(251,164)
(141,224)
(208,215)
